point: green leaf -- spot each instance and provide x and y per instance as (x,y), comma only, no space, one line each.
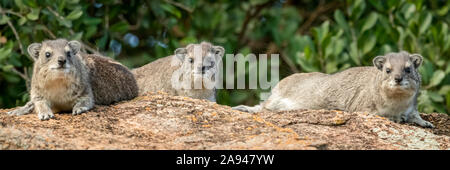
(31,3)
(20,4)
(90,31)
(92,21)
(77,36)
(447,70)
(354,53)
(369,44)
(392,4)
(340,20)
(3,19)
(6,51)
(7,68)
(15,61)
(101,43)
(22,20)
(378,5)
(322,32)
(357,9)
(370,21)
(408,10)
(34,14)
(75,14)
(120,27)
(331,67)
(171,9)
(435,97)
(426,23)
(444,90)
(443,11)
(73,1)
(11,78)
(64,22)
(447,98)
(437,77)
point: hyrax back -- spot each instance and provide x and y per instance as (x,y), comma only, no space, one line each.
(110,81)
(64,79)
(388,89)
(190,72)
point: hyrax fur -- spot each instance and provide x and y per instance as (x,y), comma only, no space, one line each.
(190,72)
(389,89)
(65,79)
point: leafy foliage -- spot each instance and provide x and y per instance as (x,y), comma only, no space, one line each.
(326,36)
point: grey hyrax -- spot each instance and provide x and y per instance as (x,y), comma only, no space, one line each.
(190,72)
(66,79)
(389,89)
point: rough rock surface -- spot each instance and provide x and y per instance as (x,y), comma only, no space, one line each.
(159,121)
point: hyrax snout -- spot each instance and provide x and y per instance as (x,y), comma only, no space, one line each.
(190,72)
(399,73)
(66,79)
(388,89)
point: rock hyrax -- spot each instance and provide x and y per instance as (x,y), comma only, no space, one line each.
(388,89)
(190,72)
(65,79)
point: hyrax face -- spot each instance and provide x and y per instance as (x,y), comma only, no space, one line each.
(56,56)
(400,72)
(200,62)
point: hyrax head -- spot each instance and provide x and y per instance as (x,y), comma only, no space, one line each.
(200,58)
(399,71)
(56,55)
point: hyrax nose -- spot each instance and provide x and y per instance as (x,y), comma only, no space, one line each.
(398,79)
(61,61)
(203,69)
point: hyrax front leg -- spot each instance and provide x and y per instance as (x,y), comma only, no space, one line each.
(28,108)
(43,110)
(412,116)
(83,104)
(415,118)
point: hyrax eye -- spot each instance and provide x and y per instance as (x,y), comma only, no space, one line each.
(191,60)
(408,70)
(388,70)
(47,54)
(68,53)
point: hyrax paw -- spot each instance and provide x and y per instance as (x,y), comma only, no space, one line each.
(426,124)
(46,116)
(17,112)
(79,110)
(13,112)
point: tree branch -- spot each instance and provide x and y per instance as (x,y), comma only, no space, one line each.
(249,16)
(15,33)
(92,50)
(321,8)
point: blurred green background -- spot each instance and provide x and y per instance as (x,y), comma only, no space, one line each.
(309,35)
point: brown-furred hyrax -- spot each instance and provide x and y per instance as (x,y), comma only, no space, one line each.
(190,72)
(66,79)
(389,89)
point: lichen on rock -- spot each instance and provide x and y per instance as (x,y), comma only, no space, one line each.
(160,121)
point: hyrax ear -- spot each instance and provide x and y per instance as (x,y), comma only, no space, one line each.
(379,61)
(75,46)
(33,50)
(416,59)
(181,53)
(218,52)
